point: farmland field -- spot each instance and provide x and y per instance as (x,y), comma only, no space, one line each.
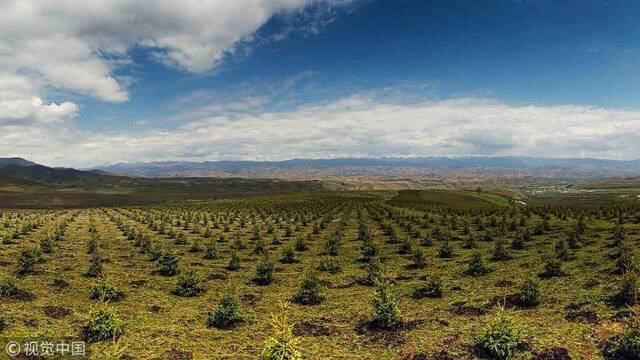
(361,275)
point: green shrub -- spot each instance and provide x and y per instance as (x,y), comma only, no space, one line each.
(144,244)
(470,242)
(369,251)
(629,346)
(445,251)
(180,240)
(105,291)
(234,262)
(529,293)
(264,272)
(386,313)
(27,261)
(573,240)
(104,325)
(95,266)
(626,257)
(301,244)
(189,284)
(427,241)
(501,338)
(255,233)
(580,226)
(517,243)
(539,229)
(195,247)
(332,246)
(155,252)
(618,234)
(329,264)
(260,247)
(487,237)
(281,345)
(288,256)
(561,250)
(46,245)
(393,238)
(432,288)
(419,258)
(553,268)
(92,245)
(405,247)
(500,253)
(8,285)
(373,272)
(169,263)
(7,239)
(226,314)
(310,290)
(238,244)
(476,265)
(211,251)
(465,228)
(628,292)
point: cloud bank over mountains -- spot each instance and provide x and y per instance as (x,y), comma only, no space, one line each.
(352,127)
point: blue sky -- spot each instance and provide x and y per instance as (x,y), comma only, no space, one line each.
(540,52)
(193,79)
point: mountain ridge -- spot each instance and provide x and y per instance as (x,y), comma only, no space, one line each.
(15,161)
(24,172)
(387,166)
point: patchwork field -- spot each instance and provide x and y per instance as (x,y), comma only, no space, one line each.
(340,275)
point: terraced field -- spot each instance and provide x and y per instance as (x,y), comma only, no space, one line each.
(325,275)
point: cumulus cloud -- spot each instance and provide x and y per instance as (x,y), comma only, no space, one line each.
(34,110)
(77,45)
(353,126)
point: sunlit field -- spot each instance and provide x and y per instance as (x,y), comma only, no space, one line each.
(324,275)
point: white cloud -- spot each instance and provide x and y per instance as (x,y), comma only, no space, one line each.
(34,111)
(77,45)
(354,126)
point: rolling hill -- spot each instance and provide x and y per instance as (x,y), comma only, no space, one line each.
(18,170)
(27,184)
(15,161)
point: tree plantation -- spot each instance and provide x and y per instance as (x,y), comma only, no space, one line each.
(323,275)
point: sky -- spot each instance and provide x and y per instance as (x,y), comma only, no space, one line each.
(89,83)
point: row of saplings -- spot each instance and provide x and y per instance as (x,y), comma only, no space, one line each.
(105,325)
(501,338)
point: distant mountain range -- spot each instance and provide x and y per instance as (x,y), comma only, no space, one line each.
(511,166)
(342,173)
